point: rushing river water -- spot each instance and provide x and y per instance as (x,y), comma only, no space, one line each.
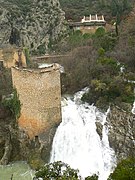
(77,143)
(17,170)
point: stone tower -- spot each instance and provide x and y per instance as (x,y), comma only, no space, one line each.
(40,95)
(11,57)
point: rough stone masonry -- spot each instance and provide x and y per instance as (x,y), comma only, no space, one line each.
(40,95)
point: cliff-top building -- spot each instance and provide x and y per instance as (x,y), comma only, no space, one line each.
(89,24)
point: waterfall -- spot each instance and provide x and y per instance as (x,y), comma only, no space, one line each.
(77,143)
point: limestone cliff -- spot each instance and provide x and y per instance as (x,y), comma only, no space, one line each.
(121,132)
(32,23)
(15,145)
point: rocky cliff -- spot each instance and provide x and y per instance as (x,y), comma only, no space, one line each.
(15,145)
(121,132)
(32,23)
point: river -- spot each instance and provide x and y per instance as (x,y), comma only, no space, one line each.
(77,143)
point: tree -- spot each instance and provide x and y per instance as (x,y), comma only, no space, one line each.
(57,170)
(93,177)
(13,104)
(60,171)
(27,55)
(5,81)
(125,170)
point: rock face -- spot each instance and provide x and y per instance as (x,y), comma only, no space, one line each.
(32,23)
(15,144)
(121,132)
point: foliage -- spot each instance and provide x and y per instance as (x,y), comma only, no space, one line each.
(105,40)
(60,171)
(125,47)
(27,55)
(100,32)
(5,81)
(24,4)
(34,160)
(13,103)
(93,177)
(78,69)
(109,85)
(119,7)
(41,49)
(78,8)
(103,93)
(101,52)
(100,72)
(125,170)
(76,39)
(57,170)
(108,61)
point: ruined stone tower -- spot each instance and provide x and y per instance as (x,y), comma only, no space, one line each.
(40,95)
(10,57)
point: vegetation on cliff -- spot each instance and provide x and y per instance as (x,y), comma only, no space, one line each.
(8,95)
(94,62)
(33,24)
(125,170)
(76,9)
(5,82)
(60,171)
(103,61)
(13,104)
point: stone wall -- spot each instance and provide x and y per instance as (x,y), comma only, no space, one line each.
(40,95)
(10,57)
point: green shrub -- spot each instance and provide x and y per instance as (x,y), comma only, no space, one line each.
(108,61)
(100,32)
(105,92)
(57,170)
(125,170)
(41,49)
(93,177)
(101,52)
(13,103)
(27,55)
(60,171)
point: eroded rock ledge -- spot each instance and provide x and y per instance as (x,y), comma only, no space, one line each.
(15,145)
(121,132)
(34,24)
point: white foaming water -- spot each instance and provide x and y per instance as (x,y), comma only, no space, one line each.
(77,143)
(133,109)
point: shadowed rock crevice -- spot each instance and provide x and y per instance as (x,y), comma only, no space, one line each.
(31,23)
(121,132)
(14,37)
